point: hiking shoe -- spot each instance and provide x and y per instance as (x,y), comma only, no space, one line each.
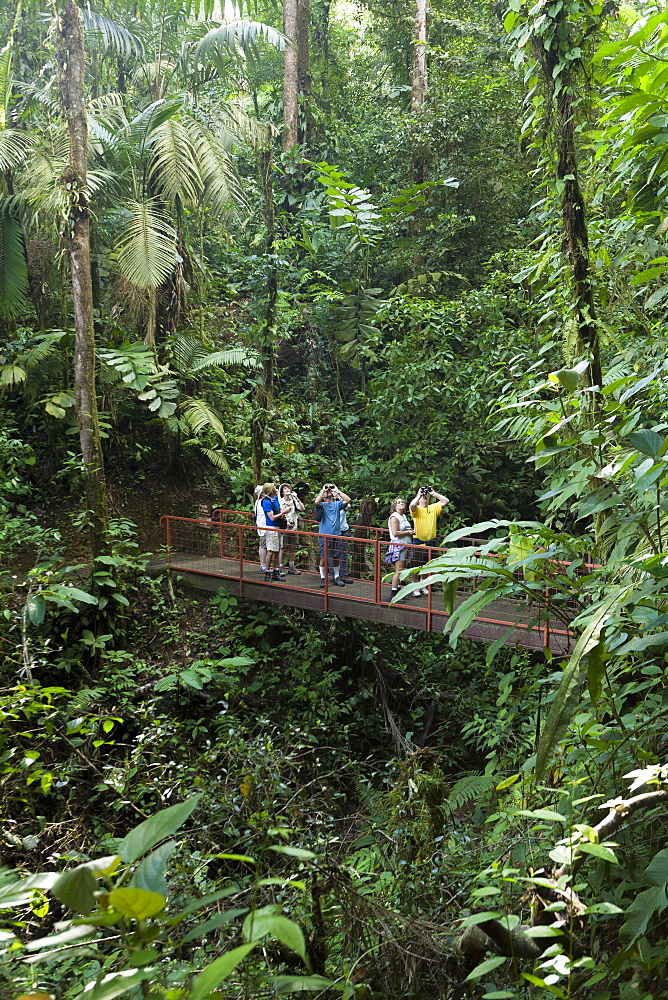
(268,577)
(293,571)
(322,584)
(279,575)
(338,582)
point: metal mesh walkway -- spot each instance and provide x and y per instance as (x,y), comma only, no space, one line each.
(223,550)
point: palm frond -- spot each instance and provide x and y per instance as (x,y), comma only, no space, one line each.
(14,148)
(11,375)
(200,416)
(152,117)
(187,351)
(13,266)
(229,38)
(111,35)
(107,120)
(99,179)
(233,356)
(40,94)
(222,185)
(146,252)
(6,59)
(174,168)
(216,457)
(6,55)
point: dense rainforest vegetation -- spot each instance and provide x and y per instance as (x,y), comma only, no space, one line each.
(383,244)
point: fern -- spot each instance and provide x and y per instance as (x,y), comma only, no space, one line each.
(44,348)
(471,786)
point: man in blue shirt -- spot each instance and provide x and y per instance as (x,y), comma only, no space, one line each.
(329,503)
(272,511)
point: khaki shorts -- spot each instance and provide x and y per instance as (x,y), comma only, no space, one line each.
(273,541)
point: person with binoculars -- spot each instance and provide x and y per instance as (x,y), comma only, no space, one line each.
(329,503)
(425,515)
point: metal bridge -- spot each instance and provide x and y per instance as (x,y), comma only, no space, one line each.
(221,549)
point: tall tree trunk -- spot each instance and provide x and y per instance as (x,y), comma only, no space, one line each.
(419,83)
(264,396)
(72,67)
(303,69)
(321,41)
(576,240)
(291,74)
(420,168)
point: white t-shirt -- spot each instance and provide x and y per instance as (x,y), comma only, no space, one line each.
(260,517)
(404,525)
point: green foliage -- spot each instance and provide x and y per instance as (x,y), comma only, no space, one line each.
(114,892)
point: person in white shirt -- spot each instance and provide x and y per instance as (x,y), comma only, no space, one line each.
(291,506)
(401,536)
(261,525)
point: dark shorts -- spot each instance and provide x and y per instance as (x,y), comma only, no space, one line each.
(422,557)
(334,547)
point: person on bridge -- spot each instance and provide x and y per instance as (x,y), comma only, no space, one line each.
(272,510)
(329,503)
(261,525)
(291,506)
(401,536)
(425,515)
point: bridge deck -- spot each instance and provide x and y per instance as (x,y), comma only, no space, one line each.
(211,553)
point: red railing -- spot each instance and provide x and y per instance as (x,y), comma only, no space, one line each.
(225,547)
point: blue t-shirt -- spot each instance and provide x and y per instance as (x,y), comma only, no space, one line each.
(270,504)
(330,519)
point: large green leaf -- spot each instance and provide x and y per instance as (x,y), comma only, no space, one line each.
(267,921)
(213,923)
(646,441)
(146,252)
(115,984)
(565,703)
(76,888)
(311,984)
(484,968)
(150,874)
(211,977)
(156,828)
(656,872)
(642,910)
(140,904)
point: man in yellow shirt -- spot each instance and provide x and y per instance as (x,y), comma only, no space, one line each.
(425,516)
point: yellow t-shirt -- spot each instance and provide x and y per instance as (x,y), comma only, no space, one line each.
(424,521)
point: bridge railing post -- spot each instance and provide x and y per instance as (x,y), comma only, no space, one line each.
(429,559)
(168,524)
(240,543)
(376,566)
(326,561)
